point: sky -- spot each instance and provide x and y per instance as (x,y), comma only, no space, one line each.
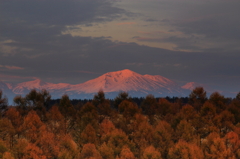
(72,41)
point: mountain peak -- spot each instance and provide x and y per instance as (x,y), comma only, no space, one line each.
(125,71)
(37,82)
(192,85)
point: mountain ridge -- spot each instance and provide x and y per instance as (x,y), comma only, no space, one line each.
(111,83)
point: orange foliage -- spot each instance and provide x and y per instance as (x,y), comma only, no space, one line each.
(126,153)
(89,135)
(185,150)
(151,153)
(32,151)
(32,125)
(89,151)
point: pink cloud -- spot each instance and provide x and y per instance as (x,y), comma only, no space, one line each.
(127,23)
(11,67)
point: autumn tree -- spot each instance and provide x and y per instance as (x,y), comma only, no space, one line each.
(99,98)
(207,114)
(88,115)
(188,112)
(238,96)
(19,148)
(66,107)
(234,108)
(67,110)
(232,141)
(56,121)
(33,151)
(48,142)
(3,148)
(142,134)
(149,105)
(89,135)
(89,151)
(127,108)
(151,153)
(215,148)
(106,151)
(126,153)
(197,98)
(186,132)
(16,120)
(224,122)
(31,126)
(102,104)
(7,155)
(6,131)
(21,105)
(68,148)
(121,97)
(3,104)
(185,150)
(106,128)
(218,100)
(163,137)
(116,140)
(37,100)
(164,107)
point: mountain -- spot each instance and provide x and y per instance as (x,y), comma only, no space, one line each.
(129,81)
(192,85)
(25,87)
(111,83)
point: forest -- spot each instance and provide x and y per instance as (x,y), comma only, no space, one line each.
(201,127)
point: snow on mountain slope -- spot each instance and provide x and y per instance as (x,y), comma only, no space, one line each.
(111,82)
(25,87)
(192,85)
(4,87)
(127,80)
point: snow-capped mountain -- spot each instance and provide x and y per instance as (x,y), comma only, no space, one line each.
(25,87)
(129,81)
(192,85)
(111,83)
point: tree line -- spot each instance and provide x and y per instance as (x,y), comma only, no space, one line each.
(123,128)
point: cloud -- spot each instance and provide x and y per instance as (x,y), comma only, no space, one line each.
(144,32)
(11,67)
(126,23)
(14,78)
(34,46)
